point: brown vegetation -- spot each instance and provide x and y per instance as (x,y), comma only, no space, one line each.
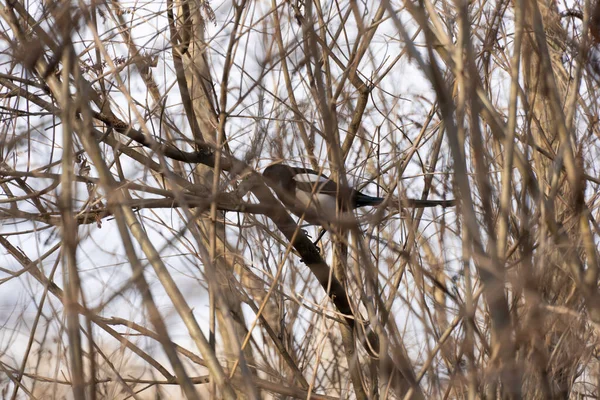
(144,257)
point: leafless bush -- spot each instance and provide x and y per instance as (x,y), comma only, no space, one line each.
(144,257)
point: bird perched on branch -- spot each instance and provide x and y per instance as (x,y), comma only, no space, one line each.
(314,195)
(320,200)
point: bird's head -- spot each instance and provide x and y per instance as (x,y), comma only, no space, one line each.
(279,175)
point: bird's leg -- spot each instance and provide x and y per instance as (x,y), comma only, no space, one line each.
(321,233)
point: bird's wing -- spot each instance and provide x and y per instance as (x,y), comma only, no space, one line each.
(311,182)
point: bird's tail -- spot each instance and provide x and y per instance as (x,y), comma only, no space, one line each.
(418,203)
(363,200)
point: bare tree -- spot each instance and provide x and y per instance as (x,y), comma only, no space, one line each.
(144,255)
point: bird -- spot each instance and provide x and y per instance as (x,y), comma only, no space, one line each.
(319,200)
(314,196)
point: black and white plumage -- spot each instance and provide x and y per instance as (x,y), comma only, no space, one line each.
(313,195)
